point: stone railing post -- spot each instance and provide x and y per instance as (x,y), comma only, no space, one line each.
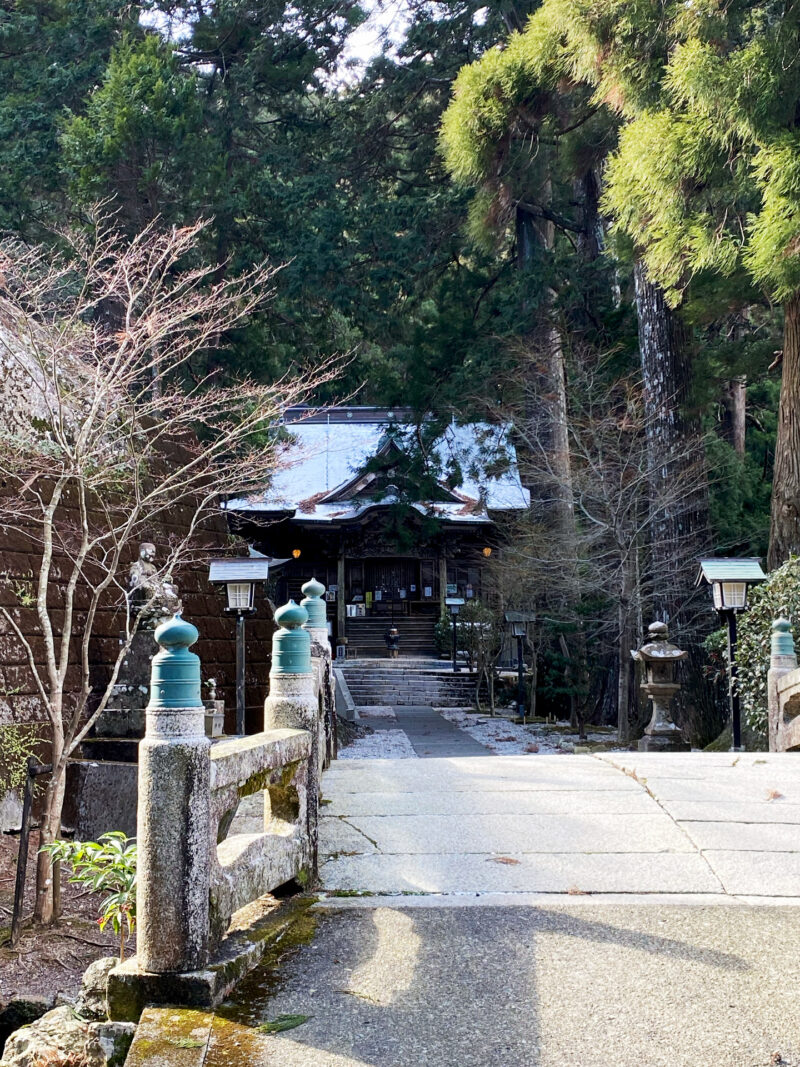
(317,626)
(317,623)
(292,702)
(174,811)
(782,660)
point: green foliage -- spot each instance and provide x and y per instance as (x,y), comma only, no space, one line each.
(443,634)
(51,56)
(105,866)
(778,597)
(283,1022)
(137,136)
(711,177)
(18,742)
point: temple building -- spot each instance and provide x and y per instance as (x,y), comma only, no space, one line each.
(393,517)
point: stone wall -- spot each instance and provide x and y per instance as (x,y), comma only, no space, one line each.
(20,704)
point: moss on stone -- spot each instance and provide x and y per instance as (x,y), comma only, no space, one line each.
(297,928)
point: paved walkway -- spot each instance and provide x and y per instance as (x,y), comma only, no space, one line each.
(715,824)
(431,736)
(539,911)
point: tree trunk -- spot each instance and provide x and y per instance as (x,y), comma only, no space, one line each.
(735,413)
(784,531)
(547,433)
(49,832)
(678,488)
(627,644)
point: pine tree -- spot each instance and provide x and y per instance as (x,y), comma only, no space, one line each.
(708,179)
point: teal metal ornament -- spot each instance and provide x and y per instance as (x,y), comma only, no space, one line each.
(291,644)
(315,605)
(782,640)
(175,671)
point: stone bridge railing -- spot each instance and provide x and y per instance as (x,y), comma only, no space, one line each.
(783,688)
(192,876)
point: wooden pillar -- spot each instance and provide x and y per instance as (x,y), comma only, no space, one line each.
(341,605)
(442,583)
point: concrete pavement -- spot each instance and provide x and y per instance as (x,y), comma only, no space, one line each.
(432,736)
(535,911)
(576,985)
(714,824)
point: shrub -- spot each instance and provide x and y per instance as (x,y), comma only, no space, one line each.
(443,634)
(107,865)
(778,596)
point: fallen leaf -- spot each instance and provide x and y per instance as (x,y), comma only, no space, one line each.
(283,1022)
(508,860)
(573,891)
(773,794)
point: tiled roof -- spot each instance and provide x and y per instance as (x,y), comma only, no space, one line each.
(329,453)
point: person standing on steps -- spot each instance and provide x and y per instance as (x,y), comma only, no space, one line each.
(392,639)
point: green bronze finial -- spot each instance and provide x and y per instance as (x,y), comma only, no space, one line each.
(314,604)
(175,672)
(782,640)
(291,644)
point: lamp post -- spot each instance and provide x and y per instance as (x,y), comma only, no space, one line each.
(455,603)
(518,621)
(729,580)
(239,576)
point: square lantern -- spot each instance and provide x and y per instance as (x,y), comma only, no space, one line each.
(239,576)
(729,579)
(454,603)
(518,621)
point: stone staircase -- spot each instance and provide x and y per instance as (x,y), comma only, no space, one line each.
(408,681)
(366,635)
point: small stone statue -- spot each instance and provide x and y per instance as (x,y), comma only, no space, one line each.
(152,596)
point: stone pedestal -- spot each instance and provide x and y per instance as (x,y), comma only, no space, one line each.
(173,841)
(782,661)
(174,819)
(292,702)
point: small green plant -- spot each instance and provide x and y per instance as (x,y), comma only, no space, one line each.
(17,743)
(107,865)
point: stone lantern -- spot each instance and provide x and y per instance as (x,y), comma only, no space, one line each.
(659,657)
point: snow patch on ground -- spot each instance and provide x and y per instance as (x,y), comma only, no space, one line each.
(376,711)
(513,739)
(382,744)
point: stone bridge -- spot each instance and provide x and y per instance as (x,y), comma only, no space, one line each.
(532,910)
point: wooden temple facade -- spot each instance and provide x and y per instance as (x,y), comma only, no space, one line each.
(390,537)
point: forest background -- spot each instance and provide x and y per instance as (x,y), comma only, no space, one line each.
(482,254)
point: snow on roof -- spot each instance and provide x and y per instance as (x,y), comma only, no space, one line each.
(328,454)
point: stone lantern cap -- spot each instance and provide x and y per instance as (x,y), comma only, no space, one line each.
(658,649)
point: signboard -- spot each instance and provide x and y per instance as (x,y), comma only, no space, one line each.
(454,601)
(427,591)
(452,589)
(245,569)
